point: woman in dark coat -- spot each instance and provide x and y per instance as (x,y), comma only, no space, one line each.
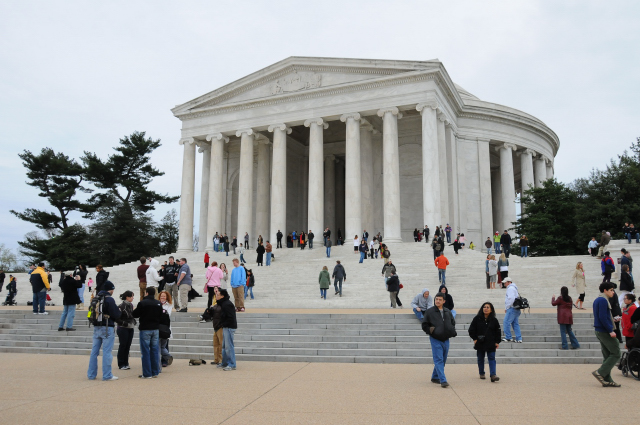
(485,333)
(565,318)
(448,299)
(101,277)
(70,300)
(260,250)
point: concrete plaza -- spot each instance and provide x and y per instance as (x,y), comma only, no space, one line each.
(53,389)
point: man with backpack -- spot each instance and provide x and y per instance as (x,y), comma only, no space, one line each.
(512,314)
(149,311)
(102,313)
(607,266)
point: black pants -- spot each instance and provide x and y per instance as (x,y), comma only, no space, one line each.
(206,265)
(617,331)
(279,243)
(488,284)
(436,254)
(507,250)
(161,285)
(125,337)
(607,277)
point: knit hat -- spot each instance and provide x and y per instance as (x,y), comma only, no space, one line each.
(108,286)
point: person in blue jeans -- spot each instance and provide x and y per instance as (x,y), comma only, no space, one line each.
(363,251)
(485,332)
(40,285)
(251,282)
(229,325)
(524,246)
(328,245)
(565,318)
(421,303)
(440,325)
(511,314)
(149,311)
(70,299)
(104,335)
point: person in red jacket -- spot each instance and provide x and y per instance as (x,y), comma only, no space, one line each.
(441,263)
(627,312)
(565,318)
(206,260)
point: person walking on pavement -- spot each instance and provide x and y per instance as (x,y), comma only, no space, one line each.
(578,281)
(142,276)
(607,266)
(441,263)
(363,250)
(310,237)
(325,282)
(440,325)
(485,332)
(229,325)
(393,287)
(512,315)
(339,275)
(184,284)
(425,233)
(268,248)
(609,344)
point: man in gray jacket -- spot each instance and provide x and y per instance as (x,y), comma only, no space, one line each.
(440,325)
(421,303)
(339,274)
(387,270)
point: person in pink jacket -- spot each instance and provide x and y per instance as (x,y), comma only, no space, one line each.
(214,274)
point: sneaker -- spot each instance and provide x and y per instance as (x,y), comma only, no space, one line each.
(494,378)
(60,329)
(508,340)
(242,310)
(124,368)
(200,316)
(202,321)
(435,381)
(154,376)
(70,329)
(44,313)
(35,312)
(164,365)
(444,384)
(184,310)
(482,377)
(228,368)
(144,377)
(336,293)
(519,341)
(170,361)
(113,378)
(219,366)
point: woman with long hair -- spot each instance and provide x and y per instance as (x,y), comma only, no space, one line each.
(165,299)
(125,330)
(565,318)
(503,268)
(225,275)
(485,333)
(579,283)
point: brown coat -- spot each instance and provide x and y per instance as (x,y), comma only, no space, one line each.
(565,316)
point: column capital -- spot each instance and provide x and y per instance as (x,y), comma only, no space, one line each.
(247,131)
(506,146)
(546,160)
(317,121)
(261,139)
(442,117)
(203,146)
(217,136)
(392,109)
(280,126)
(433,104)
(366,125)
(527,151)
(354,115)
(189,140)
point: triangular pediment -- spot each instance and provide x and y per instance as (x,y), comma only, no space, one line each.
(297,75)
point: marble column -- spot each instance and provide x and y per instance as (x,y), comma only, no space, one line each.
(496,200)
(507,183)
(549,169)
(431,204)
(462,145)
(215,212)
(279,181)
(391,174)
(315,212)
(205,150)
(444,184)
(353,177)
(245,186)
(526,169)
(263,185)
(484,184)
(340,198)
(329,198)
(452,179)
(366,155)
(540,170)
(187,199)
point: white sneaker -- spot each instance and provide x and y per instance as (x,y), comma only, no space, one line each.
(46,312)
(113,378)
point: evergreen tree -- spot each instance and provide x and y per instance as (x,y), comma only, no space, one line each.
(58,178)
(167,232)
(549,219)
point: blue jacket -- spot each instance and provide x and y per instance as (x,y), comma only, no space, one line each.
(109,308)
(609,261)
(602,315)
(238,277)
(624,260)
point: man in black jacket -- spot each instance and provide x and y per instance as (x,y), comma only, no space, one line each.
(310,236)
(70,299)
(170,278)
(440,325)
(2,276)
(393,286)
(149,311)
(425,233)
(278,239)
(104,334)
(505,242)
(229,325)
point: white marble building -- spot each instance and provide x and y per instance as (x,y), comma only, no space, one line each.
(354,144)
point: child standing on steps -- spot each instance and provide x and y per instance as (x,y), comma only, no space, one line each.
(248,289)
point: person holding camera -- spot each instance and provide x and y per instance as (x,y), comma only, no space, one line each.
(485,333)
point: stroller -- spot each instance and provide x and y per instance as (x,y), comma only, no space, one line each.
(13,290)
(630,363)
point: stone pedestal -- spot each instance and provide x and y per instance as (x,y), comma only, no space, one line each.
(391,178)
(353,177)
(245,186)
(279,181)
(185,237)
(315,211)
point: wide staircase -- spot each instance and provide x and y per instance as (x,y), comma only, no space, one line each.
(346,338)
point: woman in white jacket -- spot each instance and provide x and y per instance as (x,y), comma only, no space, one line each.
(153,277)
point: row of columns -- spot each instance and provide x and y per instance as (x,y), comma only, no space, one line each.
(440,172)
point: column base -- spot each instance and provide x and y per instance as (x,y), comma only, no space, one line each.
(184,251)
(392,240)
(208,248)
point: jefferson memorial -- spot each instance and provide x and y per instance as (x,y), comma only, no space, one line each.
(352,144)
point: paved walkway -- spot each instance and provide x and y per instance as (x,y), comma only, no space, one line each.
(51,389)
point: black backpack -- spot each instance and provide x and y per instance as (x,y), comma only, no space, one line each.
(96,313)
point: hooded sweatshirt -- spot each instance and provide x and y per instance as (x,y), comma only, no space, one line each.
(419,301)
(152,274)
(448,303)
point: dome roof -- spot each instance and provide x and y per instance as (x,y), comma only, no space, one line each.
(464,93)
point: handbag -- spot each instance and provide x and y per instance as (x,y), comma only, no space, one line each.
(164,331)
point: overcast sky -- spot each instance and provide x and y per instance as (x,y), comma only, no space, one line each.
(78,75)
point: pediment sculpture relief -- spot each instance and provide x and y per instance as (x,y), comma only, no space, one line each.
(296,82)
